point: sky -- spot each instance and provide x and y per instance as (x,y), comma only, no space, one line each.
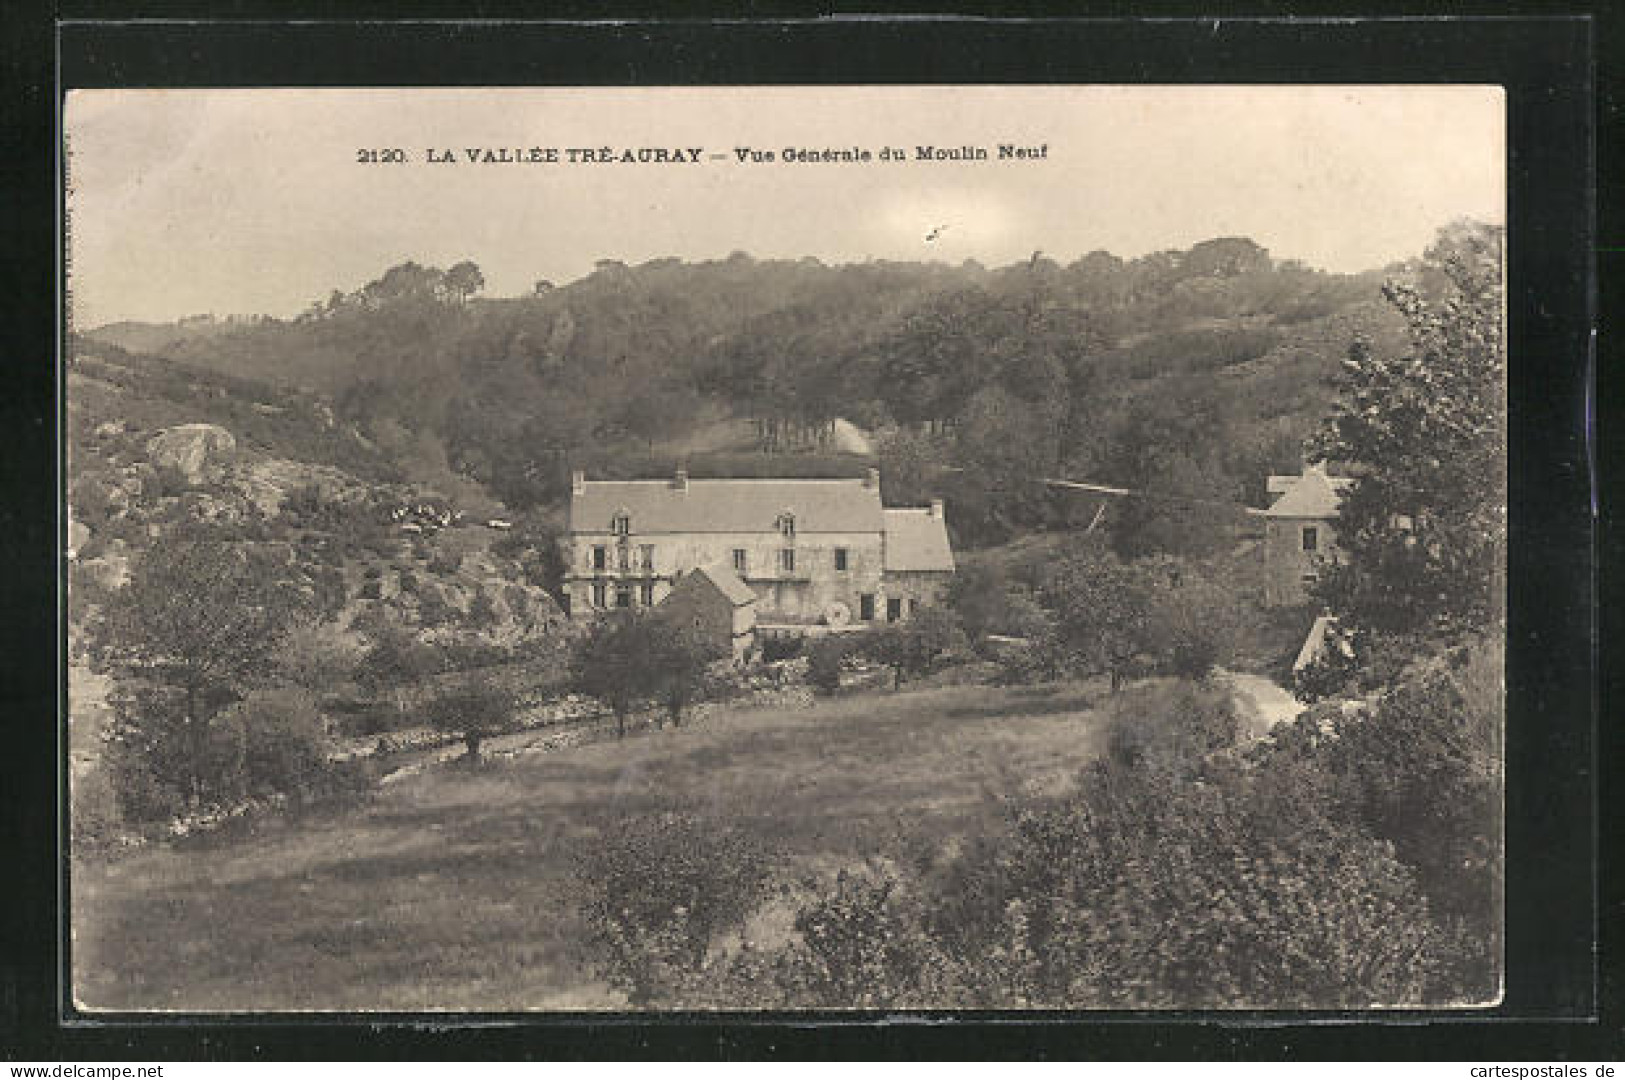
(185,202)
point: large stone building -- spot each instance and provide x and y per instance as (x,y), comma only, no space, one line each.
(1300,532)
(813,552)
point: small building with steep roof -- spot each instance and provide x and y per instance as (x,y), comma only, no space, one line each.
(718,605)
(1300,532)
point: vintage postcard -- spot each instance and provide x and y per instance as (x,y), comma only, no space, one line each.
(785,548)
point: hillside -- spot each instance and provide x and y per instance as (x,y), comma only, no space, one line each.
(1196,371)
(159,452)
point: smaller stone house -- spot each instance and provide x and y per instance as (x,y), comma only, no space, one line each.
(918,562)
(1300,532)
(719,605)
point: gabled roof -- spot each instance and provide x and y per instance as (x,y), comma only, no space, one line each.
(659,506)
(917,539)
(1312,495)
(726,581)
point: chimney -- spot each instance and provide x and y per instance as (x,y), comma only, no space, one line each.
(679,482)
(578,482)
(871,478)
(936,508)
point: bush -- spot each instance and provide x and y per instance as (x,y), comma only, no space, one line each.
(916,646)
(1422,770)
(482,611)
(167,481)
(1261,900)
(775,649)
(433,611)
(446,561)
(284,744)
(824,659)
(863,945)
(145,792)
(1171,728)
(661,888)
(474,711)
(272,742)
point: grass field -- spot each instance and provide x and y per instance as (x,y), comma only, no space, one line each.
(453,889)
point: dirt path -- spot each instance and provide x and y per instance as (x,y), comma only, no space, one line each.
(1263,704)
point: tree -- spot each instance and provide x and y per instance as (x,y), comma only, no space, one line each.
(986,601)
(1423,530)
(396,662)
(474,710)
(463,281)
(1165,447)
(197,624)
(1194,622)
(678,657)
(1103,610)
(610,663)
(912,648)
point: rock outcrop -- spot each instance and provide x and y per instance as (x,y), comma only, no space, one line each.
(199,452)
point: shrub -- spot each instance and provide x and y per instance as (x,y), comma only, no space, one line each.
(370,590)
(1261,900)
(1171,728)
(317,657)
(518,601)
(474,711)
(308,506)
(661,888)
(446,561)
(145,790)
(914,647)
(1422,770)
(1042,659)
(775,649)
(865,943)
(824,660)
(433,610)
(283,742)
(482,611)
(166,481)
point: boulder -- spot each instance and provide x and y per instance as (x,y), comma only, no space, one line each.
(78,537)
(197,451)
(110,571)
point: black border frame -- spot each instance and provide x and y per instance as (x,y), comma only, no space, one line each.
(1546,65)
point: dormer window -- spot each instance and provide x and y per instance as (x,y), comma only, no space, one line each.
(621,525)
(787,525)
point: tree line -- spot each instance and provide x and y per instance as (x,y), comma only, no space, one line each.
(976,380)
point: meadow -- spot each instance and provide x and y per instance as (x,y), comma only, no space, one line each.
(455,888)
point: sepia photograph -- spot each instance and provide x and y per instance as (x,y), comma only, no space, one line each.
(809,549)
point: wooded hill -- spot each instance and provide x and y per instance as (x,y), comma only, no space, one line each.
(1184,372)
